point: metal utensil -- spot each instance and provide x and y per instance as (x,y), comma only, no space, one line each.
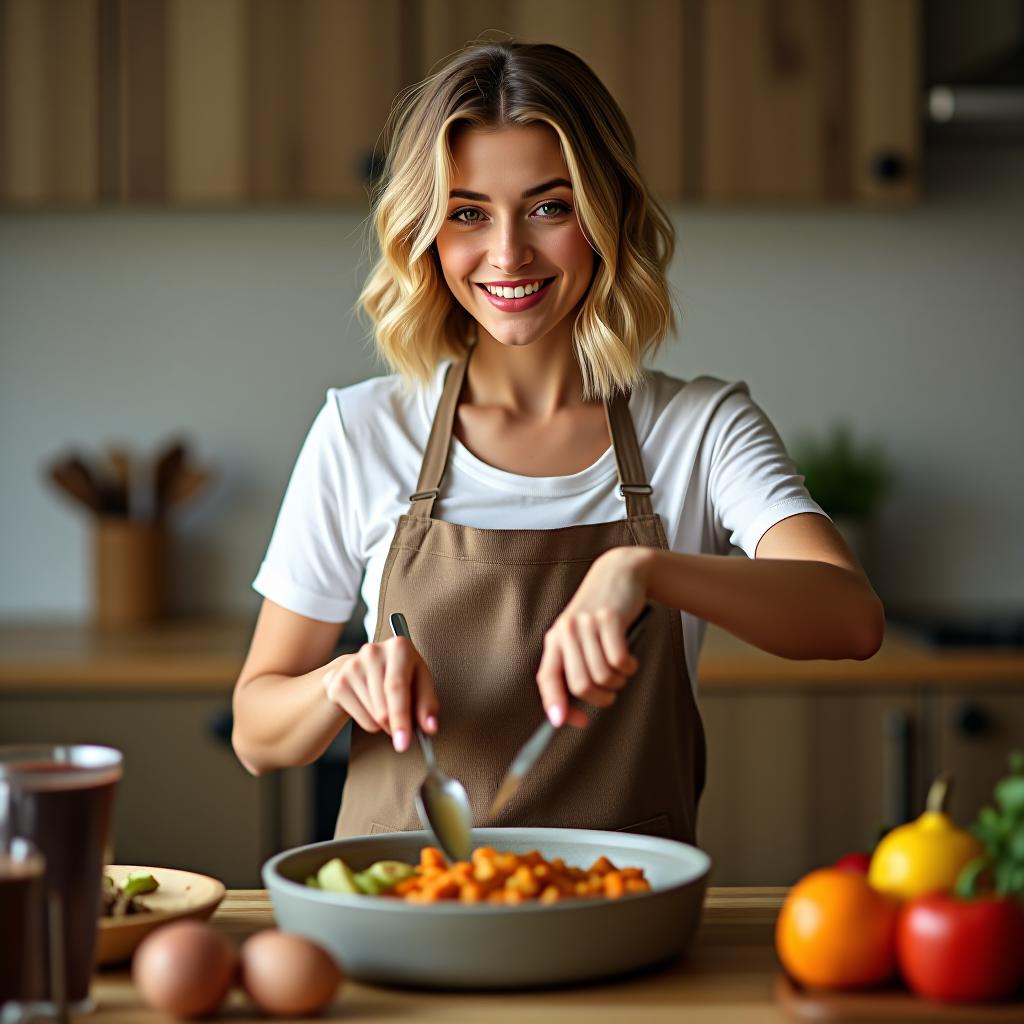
(441,802)
(534,747)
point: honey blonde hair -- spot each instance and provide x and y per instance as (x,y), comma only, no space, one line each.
(627,311)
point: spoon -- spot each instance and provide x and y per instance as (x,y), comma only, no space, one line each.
(441,802)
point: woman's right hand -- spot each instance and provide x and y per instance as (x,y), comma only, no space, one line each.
(378,686)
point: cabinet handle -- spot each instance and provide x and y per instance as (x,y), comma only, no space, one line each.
(972,721)
(220,725)
(888,166)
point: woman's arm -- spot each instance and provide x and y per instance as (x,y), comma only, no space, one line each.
(282,716)
(803,596)
(290,701)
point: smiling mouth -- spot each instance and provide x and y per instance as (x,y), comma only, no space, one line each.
(545,281)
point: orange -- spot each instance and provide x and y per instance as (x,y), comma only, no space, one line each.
(836,931)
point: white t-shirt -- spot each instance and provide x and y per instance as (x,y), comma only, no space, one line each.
(718,467)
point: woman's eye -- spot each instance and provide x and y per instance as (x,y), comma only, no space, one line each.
(560,207)
(457,215)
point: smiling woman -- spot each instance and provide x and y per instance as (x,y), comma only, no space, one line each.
(522,486)
(508,179)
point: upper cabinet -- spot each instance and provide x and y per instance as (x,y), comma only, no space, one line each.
(810,100)
(194,102)
(238,102)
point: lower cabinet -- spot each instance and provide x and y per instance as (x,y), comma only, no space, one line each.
(184,800)
(799,776)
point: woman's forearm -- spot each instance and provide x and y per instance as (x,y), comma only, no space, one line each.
(284,721)
(792,608)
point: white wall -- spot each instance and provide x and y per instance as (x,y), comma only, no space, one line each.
(230,325)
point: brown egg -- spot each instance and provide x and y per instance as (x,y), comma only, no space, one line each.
(287,975)
(185,968)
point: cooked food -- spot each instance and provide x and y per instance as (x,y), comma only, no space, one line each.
(488,877)
(120,900)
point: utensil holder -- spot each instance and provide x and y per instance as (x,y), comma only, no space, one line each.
(129,568)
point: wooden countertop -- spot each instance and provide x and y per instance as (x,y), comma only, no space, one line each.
(726,978)
(205,655)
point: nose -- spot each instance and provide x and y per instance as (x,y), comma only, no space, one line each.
(510,249)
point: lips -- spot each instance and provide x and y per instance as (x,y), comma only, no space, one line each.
(517,305)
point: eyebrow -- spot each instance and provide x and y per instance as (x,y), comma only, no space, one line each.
(462,193)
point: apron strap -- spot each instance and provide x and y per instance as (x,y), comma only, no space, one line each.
(435,458)
(633,485)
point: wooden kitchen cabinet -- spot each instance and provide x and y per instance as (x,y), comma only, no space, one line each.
(49,102)
(636,47)
(184,801)
(237,102)
(223,102)
(810,101)
(797,777)
(255,101)
(736,100)
(976,729)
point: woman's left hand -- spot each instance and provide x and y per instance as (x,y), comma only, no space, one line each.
(585,650)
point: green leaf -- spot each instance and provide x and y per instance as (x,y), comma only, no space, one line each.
(966,886)
(1010,794)
(1015,845)
(1017,762)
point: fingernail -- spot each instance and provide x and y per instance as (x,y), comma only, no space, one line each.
(431,723)
(556,715)
(401,740)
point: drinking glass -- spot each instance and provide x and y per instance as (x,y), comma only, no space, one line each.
(61,799)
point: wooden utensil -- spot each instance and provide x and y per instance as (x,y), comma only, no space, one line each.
(72,476)
(186,485)
(169,464)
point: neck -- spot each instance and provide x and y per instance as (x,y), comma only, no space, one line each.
(532,381)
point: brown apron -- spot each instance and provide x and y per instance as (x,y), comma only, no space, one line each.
(478,603)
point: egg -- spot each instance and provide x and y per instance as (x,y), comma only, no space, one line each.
(185,968)
(287,975)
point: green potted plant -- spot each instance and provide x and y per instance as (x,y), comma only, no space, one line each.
(847,478)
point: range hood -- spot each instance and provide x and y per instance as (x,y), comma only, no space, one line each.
(975,69)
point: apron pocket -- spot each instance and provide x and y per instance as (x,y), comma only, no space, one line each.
(376,827)
(659,825)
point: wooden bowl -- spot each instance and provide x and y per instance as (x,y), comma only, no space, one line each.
(181,894)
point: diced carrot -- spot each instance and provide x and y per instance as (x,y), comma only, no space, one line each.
(601,866)
(432,857)
(614,885)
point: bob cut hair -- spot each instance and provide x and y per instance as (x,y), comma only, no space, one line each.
(627,311)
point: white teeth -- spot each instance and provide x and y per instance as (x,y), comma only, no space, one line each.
(515,293)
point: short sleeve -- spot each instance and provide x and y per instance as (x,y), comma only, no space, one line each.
(313,564)
(753,483)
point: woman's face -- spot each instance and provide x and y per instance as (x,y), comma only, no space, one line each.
(511,222)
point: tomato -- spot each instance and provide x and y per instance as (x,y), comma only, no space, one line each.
(854,862)
(956,950)
(836,931)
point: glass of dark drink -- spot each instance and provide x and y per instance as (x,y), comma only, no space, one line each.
(21,904)
(61,799)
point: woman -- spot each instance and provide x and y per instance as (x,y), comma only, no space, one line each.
(522,486)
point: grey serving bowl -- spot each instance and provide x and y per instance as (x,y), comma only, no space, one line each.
(483,946)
